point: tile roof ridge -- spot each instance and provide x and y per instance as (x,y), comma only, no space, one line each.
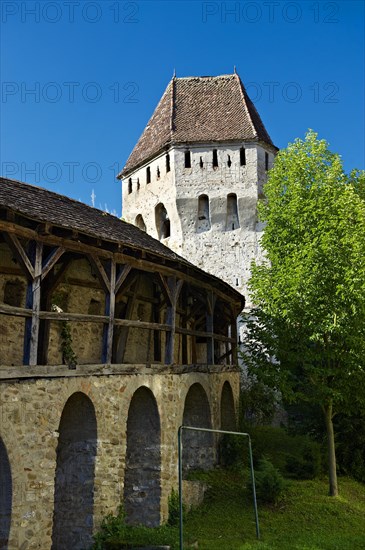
(243,94)
(228,75)
(173,93)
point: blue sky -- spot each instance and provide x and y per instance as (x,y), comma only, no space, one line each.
(80,79)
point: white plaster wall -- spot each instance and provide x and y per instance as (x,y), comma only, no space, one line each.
(150,195)
(226,254)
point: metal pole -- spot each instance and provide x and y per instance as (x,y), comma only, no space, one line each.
(254,489)
(179,433)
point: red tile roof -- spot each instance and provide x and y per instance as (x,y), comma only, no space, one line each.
(199,109)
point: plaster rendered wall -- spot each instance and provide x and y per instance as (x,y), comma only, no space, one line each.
(224,252)
(145,200)
(31,411)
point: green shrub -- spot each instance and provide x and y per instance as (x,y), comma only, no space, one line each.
(174,509)
(115,534)
(296,457)
(232,449)
(270,484)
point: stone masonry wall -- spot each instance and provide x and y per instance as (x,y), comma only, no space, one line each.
(31,410)
(225,252)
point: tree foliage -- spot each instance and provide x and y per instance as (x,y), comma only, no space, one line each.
(306,335)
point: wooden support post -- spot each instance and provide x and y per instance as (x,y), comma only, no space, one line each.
(110,312)
(33,302)
(123,339)
(211,300)
(234,347)
(173,289)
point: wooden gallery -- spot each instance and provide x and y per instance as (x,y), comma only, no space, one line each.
(109,341)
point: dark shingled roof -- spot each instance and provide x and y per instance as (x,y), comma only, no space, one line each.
(199,109)
(42,205)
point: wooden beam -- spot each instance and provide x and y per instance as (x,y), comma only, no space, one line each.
(33,300)
(52,260)
(20,254)
(211,301)
(154,266)
(100,271)
(174,288)
(122,277)
(109,311)
(164,285)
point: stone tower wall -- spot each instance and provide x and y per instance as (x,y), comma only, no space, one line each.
(215,245)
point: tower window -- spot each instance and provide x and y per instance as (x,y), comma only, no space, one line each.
(229,162)
(203,222)
(266,161)
(232,220)
(168,163)
(139,222)
(201,164)
(215,158)
(187,159)
(243,156)
(158,173)
(162,221)
(138,185)
(148,174)
(129,186)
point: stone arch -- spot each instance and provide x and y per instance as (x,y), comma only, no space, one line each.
(74,477)
(139,222)
(142,481)
(162,222)
(228,413)
(198,447)
(6,496)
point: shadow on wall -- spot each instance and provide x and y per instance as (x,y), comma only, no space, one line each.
(6,496)
(74,479)
(142,483)
(198,448)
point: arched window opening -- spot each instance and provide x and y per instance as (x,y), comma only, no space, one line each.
(232,221)
(75,470)
(187,159)
(168,168)
(243,156)
(142,483)
(129,186)
(201,164)
(203,222)
(139,222)
(229,162)
(148,174)
(215,158)
(162,222)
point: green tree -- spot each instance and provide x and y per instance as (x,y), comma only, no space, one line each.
(306,334)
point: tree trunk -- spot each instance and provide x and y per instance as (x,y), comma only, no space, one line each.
(333,489)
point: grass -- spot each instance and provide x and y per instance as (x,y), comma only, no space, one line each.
(305,519)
